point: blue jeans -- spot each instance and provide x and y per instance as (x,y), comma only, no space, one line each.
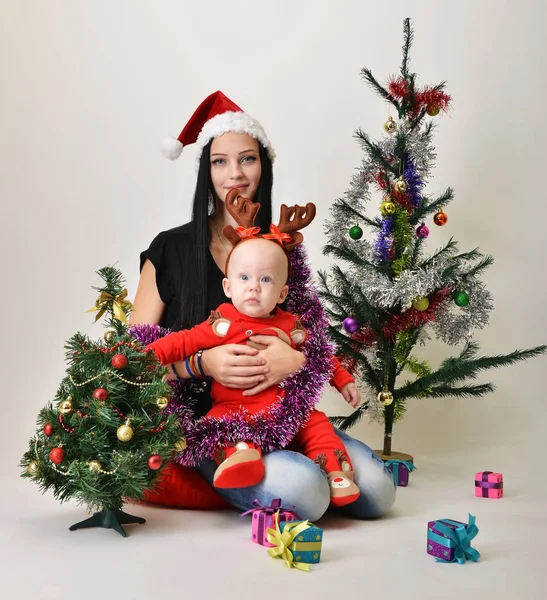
(297,480)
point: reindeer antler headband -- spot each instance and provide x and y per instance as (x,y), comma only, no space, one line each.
(292,219)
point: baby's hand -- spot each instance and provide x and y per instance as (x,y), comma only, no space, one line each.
(351,394)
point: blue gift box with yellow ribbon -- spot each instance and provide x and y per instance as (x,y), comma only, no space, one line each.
(306,546)
(450,541)
(298,543)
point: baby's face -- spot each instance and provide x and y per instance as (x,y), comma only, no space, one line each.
(257,277)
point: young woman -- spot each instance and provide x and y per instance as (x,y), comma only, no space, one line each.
(181,282)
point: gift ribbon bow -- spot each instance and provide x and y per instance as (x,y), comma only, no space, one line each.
(249,232)
(119,305)
(275,506)
(459,539)
(282,541)
(395,472)
(276,235)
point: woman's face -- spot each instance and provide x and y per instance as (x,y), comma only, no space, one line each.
(235,163)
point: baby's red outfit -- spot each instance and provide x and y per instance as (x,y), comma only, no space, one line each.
(226,325)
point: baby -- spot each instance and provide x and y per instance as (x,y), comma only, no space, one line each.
(257,271)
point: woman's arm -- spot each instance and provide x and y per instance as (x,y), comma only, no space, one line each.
(233,365)
(148,307)
(280,360)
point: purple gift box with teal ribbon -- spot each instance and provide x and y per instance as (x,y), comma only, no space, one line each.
(450,541)
(264,518)
(400,469)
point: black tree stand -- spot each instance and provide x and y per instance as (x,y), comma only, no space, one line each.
(110,519)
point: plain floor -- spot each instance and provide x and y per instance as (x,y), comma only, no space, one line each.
(201,554)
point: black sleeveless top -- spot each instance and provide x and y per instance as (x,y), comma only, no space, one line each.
(170,252)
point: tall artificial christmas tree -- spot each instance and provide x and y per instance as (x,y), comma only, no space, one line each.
(107,435)
(390,295)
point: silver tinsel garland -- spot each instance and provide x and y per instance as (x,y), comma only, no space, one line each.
(455,324)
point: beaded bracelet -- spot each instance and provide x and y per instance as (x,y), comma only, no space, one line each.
(199,363)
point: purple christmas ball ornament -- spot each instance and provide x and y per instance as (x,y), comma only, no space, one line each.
(350,325)
(422,231)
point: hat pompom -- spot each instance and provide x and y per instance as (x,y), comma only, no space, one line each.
(171,148)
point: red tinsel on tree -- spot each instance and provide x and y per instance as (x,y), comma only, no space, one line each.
(398,88)
(426,98)
(402,200)
(410,319)
(381,180)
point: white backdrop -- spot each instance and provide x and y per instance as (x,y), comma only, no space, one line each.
(89,90)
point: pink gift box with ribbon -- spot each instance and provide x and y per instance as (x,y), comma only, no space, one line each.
(488,484)
(264,518)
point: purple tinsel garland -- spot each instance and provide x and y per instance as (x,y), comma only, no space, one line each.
(273,428)
(413,181)
(383,243)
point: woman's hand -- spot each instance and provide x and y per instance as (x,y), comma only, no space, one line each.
(234,366)
(351,394)
(280,360)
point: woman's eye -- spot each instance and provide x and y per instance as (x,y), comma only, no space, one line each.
(218,161)
(248,159)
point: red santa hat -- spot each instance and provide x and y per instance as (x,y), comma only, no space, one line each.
(216,115)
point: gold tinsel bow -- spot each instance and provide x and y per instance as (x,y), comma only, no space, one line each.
(282,541)
(119,304)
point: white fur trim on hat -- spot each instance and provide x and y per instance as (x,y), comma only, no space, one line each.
(238,122)
(171,148)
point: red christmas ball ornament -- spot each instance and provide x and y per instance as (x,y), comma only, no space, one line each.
(100,394)
(154,462)
(48,429)
(57,455)
(440,218)
(119,361)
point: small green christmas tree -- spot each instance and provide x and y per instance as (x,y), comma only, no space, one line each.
(106,435)
(391,294)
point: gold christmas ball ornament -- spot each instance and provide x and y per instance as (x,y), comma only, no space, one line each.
(387,207)
(33,467)
(66,406)
(390,126)
(162,403)
(433,110)
(125,432)
(180,444)
(385,398)
(401,185)
(421,303)
(109,334)
(94,465)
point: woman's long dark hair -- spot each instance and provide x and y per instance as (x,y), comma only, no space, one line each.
(194,292)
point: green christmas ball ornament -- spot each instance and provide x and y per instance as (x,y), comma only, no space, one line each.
(461,298)
(356,233)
